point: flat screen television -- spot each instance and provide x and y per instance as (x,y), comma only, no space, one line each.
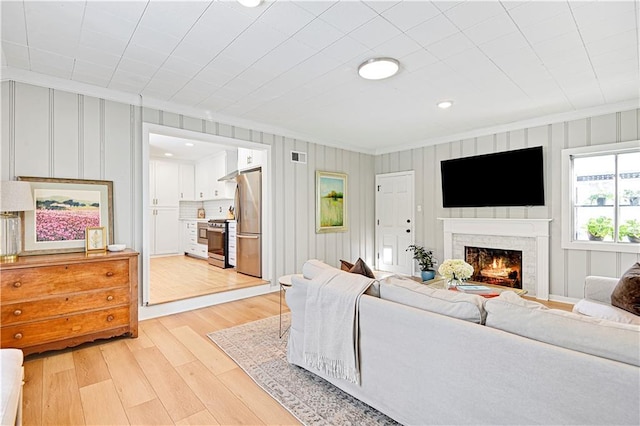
(502,179)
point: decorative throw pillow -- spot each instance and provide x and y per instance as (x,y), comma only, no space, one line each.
(626,295)
(345,266)
(361,268)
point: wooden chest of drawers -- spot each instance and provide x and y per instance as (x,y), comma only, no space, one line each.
(62,300)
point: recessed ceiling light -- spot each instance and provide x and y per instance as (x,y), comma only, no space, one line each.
(188,144)
(445,104)
(250,3)
(168,154)
(378,68)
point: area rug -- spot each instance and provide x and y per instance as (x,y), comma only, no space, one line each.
(256,348)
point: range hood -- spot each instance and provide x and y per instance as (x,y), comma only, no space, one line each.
(229,176)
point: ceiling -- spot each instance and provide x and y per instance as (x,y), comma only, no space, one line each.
(292,65)
(182,149)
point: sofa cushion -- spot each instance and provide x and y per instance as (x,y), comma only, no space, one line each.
(345,266)
(468,307)
(600,337)
(361,268)
(605,311)
(313,267)
(626,295)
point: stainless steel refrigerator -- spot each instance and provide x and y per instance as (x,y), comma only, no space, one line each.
(249,222)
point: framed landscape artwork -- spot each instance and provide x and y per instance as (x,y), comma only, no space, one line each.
(331,202)
(63,210)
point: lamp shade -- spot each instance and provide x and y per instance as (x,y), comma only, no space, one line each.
(15,196)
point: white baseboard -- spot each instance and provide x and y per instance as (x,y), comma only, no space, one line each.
(169,308)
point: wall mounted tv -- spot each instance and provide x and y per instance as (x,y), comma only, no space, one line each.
(502,179)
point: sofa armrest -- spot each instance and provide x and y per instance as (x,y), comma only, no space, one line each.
(599,288)
(11,386)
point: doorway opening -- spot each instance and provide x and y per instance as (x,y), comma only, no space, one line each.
(181,187)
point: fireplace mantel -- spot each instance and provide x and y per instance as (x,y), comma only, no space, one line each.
(537,229)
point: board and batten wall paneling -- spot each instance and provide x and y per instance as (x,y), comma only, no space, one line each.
(66,135)
(53,133)
(568,268)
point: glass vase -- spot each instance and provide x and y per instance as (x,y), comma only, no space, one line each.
(452,283)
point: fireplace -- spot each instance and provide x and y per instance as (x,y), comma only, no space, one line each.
(495,266)
(530,236)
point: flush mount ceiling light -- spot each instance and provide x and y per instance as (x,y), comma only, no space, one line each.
(168,154)
(444,104)
(378,68)
(189,144)
(250,3)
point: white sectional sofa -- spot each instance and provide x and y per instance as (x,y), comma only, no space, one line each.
(527,365)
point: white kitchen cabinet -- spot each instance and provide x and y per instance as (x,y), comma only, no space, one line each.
(164,186)
(190,240)
(209,170)
(187,182)
(205,187)
(249,158)
(165,231)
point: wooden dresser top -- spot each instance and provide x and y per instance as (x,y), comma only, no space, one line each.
(51,259)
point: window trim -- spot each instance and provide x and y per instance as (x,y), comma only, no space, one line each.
(567,199)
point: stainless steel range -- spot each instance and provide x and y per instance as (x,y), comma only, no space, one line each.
(218,243)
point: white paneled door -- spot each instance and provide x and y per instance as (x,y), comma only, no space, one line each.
(394,221)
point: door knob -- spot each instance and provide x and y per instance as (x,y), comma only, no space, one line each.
(408,231)
(408,220)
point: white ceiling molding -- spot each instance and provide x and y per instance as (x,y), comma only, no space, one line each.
(519,125)
(29,77)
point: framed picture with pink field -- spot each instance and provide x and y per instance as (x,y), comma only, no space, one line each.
(63,210)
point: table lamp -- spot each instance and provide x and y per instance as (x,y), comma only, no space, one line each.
(15,196)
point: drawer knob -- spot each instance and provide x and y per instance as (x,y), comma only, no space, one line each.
(110,318)
(17,312)
(17,336)
(109,274)
(109,298)
(17,284)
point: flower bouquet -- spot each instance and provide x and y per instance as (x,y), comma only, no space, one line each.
(455,271)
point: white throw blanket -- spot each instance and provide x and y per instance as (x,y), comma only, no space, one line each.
(331,323)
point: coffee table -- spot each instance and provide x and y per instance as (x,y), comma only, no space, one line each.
(440,282)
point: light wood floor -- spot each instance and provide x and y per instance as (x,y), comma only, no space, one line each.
(171,374)
(181,277)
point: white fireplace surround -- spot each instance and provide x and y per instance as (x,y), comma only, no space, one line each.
(529,235)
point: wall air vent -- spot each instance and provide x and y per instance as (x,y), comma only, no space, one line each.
(298,157)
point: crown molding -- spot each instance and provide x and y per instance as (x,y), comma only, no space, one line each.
(30,77)
(519,125)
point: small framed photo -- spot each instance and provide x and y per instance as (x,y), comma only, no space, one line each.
(95,239)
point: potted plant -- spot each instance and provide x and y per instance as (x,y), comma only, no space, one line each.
(632,196)
(599,227)
(600,198)
(631,230)
(425,259)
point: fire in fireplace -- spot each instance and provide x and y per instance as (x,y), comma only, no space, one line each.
(495,266)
